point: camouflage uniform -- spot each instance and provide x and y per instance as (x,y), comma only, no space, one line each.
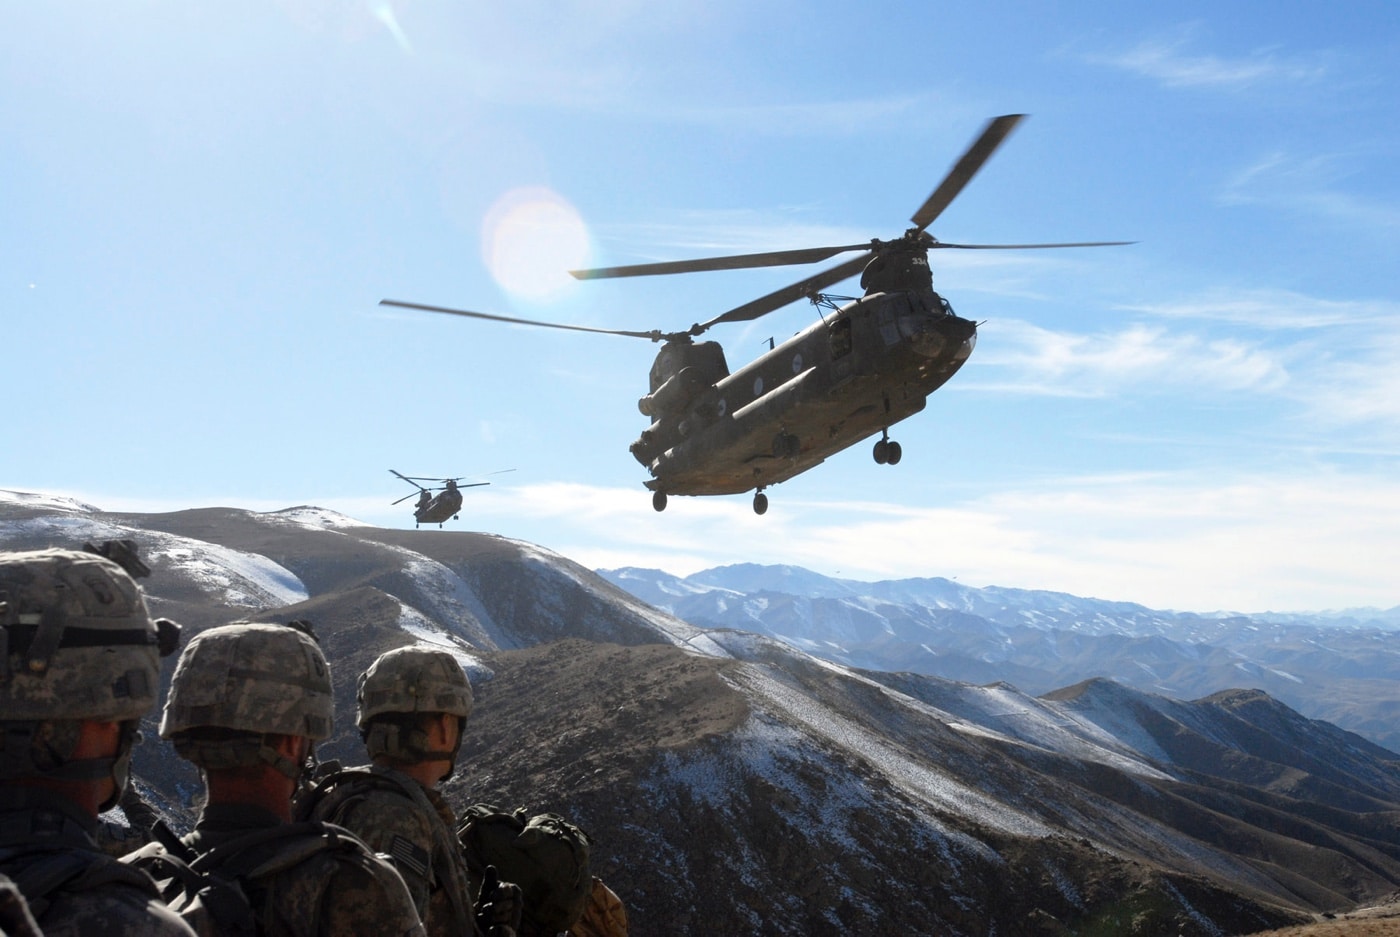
(331,892)
(41,831)
(392,811)
(413,826)
(77,646)
(235,686)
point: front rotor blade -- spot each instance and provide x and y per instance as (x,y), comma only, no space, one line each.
(962,172)
(788,294)
(1024,247)
(809,255)
(653,335)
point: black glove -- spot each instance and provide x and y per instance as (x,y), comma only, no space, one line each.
(499,906)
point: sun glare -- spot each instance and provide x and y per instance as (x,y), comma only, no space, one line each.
(531,238)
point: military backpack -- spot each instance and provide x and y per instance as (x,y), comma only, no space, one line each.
(223,892)
(545,854)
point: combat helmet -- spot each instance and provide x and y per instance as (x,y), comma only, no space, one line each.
(237,683)
(76,643)
(398,686)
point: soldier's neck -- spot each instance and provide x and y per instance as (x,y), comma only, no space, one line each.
(267,788)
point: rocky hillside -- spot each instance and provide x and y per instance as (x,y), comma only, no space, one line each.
(735,784)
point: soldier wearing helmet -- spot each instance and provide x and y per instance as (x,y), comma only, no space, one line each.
(247,703)
(413,704)
(79,667)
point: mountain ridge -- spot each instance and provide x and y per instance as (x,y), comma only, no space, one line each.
(1341,668)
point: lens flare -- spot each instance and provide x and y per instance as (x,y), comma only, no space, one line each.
(530,239)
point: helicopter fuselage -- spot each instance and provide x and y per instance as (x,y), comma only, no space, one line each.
(859,371)
(440,508)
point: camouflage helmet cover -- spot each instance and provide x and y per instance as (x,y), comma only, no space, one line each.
(76,640)
(413,679)
(251,677)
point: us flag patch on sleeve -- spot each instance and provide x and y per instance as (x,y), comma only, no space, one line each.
(406,853)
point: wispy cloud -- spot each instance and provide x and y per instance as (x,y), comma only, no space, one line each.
(1143,357)
(1308,185)
(1273,309)
(1170,62)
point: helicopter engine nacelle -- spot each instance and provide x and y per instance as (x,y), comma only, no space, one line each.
(677,391)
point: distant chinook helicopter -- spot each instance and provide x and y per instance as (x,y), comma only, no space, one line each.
(869,364)
(437,509)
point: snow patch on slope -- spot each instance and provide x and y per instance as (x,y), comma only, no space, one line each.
(243,580)
(924,782)
(427,634)
(313,518)
(31,499)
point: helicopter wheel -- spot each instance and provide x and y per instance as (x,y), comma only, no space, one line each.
(882,452)
(760,503)
(893,453)
(658,501)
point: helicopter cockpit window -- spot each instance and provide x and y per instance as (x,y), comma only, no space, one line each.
(887,323)
(840,334)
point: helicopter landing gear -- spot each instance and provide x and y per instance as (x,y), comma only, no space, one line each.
(887,451)
(658,501)
(786,446)
(760,502)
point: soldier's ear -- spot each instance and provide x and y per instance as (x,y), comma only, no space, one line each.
(292,747)
(97,739)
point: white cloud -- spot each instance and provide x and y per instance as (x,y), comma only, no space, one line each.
(1309,185)
(1168,62)
(1310,540)
(1141,357)
(1274,309)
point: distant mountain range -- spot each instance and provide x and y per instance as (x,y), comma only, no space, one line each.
(1343,667)
(734,783)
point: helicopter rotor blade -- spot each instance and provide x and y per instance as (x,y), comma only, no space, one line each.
(965,168)
(404,498)
(809,255)
(412,481)
(1020,247)
(654,335)
(788,294)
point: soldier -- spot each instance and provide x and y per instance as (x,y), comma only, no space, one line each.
(413,705)
(79,667)
(246,705)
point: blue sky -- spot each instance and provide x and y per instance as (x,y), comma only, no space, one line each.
(204,203)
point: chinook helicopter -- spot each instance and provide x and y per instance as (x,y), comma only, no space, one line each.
(436,508)
(856,372)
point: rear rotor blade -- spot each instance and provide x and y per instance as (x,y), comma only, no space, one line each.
(962,172)
(788,294)
(654,335)
(809,255)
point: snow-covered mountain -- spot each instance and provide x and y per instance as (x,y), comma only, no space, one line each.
(1343,667)
(734,783)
